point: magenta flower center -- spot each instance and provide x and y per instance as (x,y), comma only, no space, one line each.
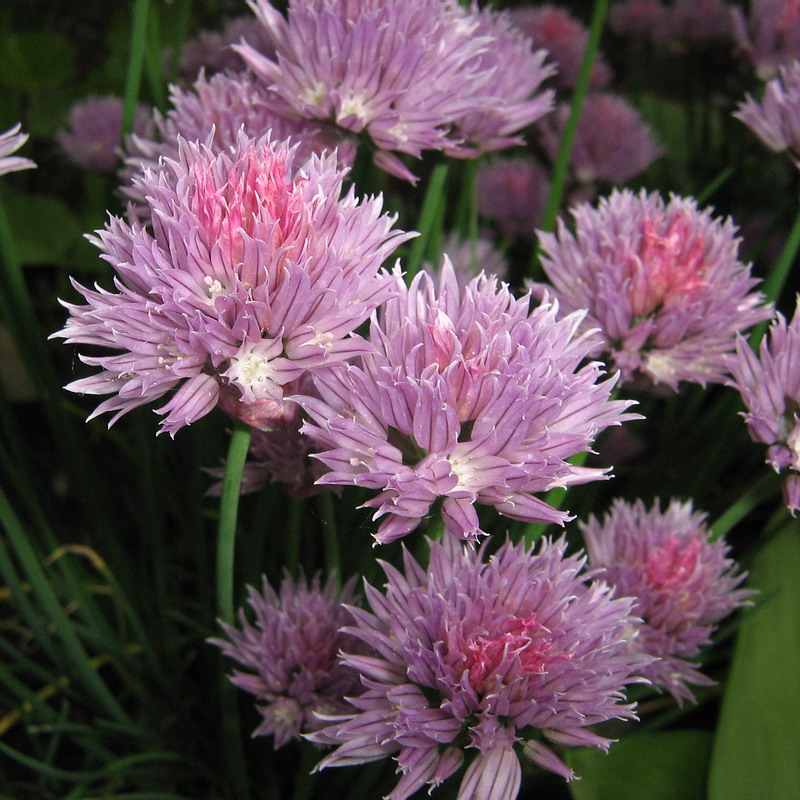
(672,266)
(671,566)
(522,638)
(256,192)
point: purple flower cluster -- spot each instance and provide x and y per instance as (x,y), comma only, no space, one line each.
(93,133)
(11,141)
(471,654)
(776,119)
(554,29)
(413,75)
(770,387)
(289,655)
(661,281)
(213,111)
(253,272)
(683,583)
(612,142)
(769,35)
(677,24)
(469,396)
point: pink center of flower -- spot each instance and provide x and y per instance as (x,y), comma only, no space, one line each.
(522,638)
(672,266)
(443,339)
(557,27)
(255,200)
(671,566)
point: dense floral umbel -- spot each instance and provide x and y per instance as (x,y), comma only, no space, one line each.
(469,397)
(684,584)
(289,655)
(612,142)
(414,75)
(254,272)
(770,35)
(471,655)
(213,111)
(776,119)
(770,387)
(661,280)
(93,133)
(11,141)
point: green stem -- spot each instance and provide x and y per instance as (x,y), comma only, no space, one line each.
(430,219)
(228,511)
(759,491)
(133,79)
(561,166)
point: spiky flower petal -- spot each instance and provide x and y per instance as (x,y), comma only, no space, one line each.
(469,397)
(684,583)
(770,387)
(252,273)
(776,119)
(661,280)
(11,141)
(472,654)
(289,654)
(413,75)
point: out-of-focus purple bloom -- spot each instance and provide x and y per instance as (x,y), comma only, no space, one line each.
(472,653)
(213,111)
(565,39)
(289,655)
(612,142)
(212,51)
(684,584)
(662,282)
(469,397)
(512,193)
(93,132)
(776,119)
(770,35)
(635,18)
(253,272)
(413,75)
(770,387)
(11,141)
(676,24)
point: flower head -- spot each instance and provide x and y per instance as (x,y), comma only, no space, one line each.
(512,193)
(770,35)
(93,132)
(636,18)
(212,51)
(252,273)
(412,75)
(684,583)
(472,654)
(213,111)
(770,387)
(565,38)
(662,281)
(776,119)
(469,397)
(612,142)
(289,655)
(11,141)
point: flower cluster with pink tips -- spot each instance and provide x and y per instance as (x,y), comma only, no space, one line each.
(252,282)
